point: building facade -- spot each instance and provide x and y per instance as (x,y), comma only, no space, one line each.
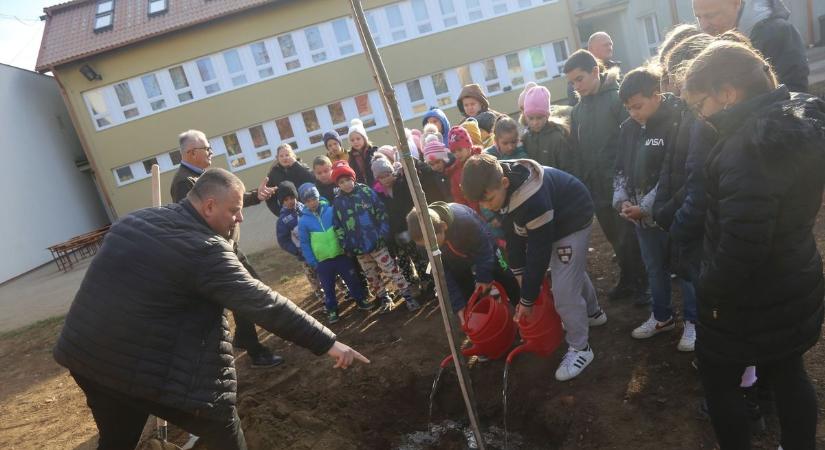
(253,74)
(48,199)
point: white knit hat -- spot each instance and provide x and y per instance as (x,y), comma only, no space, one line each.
(356,126)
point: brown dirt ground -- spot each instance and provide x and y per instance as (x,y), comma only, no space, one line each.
(639,395)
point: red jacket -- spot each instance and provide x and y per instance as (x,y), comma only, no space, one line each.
(454,173)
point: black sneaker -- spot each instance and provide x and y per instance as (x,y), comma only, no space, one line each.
(643,298)
(332,317)
(365,305)
(265,359)
(412,304)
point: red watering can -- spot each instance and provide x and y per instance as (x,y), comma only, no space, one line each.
(488,322)
(541,331)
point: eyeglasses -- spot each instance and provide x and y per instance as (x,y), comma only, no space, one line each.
(207,148)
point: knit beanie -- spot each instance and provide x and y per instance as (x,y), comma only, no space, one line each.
(434,150)
(286,189)
(537,101)
(459,138)
(471,125)
(342,169)
(388,151)
(308,191)
(529,86)
(331,136)
(486,121)
(356,126)
(381,165)
(472,91)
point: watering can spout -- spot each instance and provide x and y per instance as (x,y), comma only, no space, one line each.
(446,362)
(518,350)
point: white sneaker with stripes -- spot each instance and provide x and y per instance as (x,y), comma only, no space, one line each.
(573,363)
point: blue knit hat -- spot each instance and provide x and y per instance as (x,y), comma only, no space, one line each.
(331,135)
(308,191)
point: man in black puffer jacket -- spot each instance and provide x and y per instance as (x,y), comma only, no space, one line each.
(147,331)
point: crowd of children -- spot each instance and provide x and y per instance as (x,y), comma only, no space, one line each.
(697,166)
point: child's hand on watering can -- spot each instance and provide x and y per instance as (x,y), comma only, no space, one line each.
(460,313)
(522,312)
(484,287)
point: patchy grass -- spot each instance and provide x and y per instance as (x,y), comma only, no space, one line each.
(32,328)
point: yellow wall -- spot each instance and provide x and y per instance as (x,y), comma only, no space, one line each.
(220,114)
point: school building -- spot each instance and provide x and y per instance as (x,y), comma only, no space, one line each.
(255,73)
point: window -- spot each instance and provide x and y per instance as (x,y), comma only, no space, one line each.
(372,23)
(396,22)
(153,92)
(175,156)
(474,10)
(234,151)
(362,103)
(207,73)
(260,142)
(491,76)
(148,163)
(126,100)
(285,132)
(499,7)
(419,106)
(97,104)
(651,34)
(561,54)
(261,57)
(341,29)
(312,126)
(442,90)
(514,70)
(124,174)
(234,67)
(422,16)
(538,63)
(104,15)
(158,7)
(316,44)
(181,84)
(288,52)
(525,3)
(448,14)
(465,77)
(339,118)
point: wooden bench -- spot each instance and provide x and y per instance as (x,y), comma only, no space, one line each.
(67,253)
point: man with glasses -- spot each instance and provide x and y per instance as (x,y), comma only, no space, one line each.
(196,157)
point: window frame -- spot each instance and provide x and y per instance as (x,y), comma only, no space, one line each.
(653,47)
(99,15)
(159,12)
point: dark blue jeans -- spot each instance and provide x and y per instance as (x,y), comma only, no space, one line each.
(653,243)
(342,265)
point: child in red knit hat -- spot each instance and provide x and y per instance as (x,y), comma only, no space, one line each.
(462,148)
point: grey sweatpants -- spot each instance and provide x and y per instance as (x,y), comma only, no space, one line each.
(575,297)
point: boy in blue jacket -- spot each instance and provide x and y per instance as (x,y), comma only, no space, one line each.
(470,257)
(286,232)
(362,227)
(321,250)
(548,215)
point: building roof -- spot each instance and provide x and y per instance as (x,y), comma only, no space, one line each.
(69,34)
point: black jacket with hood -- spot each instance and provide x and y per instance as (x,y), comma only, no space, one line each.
(766,23)
(761,287)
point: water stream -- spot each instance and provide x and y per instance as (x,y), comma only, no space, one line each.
(504,401)
(432,395)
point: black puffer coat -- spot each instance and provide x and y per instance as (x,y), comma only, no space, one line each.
(148,320)
(761,285)
(298,173)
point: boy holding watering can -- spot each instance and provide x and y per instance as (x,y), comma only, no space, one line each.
(547,215)
(471,260)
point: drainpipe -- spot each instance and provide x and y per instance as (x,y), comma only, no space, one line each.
(107,202)
(811,34)
(674,12)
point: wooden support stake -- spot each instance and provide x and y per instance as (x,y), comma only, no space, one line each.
(397,125)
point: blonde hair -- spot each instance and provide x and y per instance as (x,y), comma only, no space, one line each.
(732,63)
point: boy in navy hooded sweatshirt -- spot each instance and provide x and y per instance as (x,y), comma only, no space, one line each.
(548,215)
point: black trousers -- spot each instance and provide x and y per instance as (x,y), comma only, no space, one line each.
(795,402)
(120,420)
(246,336)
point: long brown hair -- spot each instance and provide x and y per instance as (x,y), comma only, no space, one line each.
(732,63)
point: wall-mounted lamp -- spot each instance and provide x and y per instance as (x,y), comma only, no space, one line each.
(89,73)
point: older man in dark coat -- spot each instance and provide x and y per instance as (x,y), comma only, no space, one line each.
(147,331)
(196,156)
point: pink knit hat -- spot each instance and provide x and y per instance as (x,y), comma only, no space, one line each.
(459,138)
(435,150)
(537,101)
(529,86)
